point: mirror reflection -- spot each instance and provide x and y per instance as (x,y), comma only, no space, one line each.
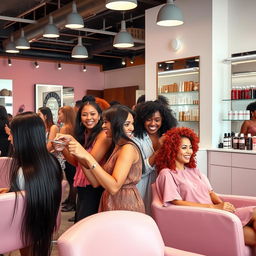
(178,81)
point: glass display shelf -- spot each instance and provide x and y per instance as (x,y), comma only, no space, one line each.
(178,92)
(188,121)
(238,100)
(235,120)
(177,105)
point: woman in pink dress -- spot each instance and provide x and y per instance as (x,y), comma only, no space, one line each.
(123,169)
(179,181)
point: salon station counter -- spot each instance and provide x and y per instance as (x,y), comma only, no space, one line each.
(232,171)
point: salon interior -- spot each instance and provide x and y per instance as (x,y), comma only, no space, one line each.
(205,65)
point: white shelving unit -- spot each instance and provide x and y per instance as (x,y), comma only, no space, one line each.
(181,87)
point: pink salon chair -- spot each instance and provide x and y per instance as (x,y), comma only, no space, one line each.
(115,233)
(5,163)
(202,230)
(10,224)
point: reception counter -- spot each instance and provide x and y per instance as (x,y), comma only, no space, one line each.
(232,171)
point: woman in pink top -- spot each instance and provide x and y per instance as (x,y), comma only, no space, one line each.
(180,182)
(88,131)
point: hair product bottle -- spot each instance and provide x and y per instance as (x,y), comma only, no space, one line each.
(242,142)
(249,142)
(236,141)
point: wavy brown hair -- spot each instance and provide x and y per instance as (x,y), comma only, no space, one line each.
(167,154)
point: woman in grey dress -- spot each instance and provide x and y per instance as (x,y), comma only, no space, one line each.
(152,120)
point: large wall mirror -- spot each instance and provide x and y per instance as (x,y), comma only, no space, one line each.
(6,95)
(243,89)
(178,81)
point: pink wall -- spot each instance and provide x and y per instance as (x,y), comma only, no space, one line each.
(25,75)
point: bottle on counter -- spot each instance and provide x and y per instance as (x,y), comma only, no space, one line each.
(236,141)
(242,142)
(254,143)
(225,141)
(248,142)
(229,141)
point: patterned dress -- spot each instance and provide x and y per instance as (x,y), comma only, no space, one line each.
(128,197)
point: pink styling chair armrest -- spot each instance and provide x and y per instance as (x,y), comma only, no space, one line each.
(201,230)
(239,201)
(175,252)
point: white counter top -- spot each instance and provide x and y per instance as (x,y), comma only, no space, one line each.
(233,150)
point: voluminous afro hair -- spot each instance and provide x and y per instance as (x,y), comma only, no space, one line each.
(167,154)
(145,110)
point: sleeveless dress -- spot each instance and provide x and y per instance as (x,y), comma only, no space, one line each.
(193,186)
(128,197)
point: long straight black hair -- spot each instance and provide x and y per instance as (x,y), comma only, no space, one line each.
(42,177)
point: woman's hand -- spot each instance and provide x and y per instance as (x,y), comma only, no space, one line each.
(226,206)
(4,190)
(61,141)
(76,149)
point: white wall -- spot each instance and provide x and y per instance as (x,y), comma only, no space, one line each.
(242,20)
(122,77)
(196,35)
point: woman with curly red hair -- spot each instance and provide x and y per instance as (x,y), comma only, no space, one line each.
(180,183)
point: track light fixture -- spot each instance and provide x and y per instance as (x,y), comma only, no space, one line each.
(123,61)
(74,20)
(9,62)
(132,59)
(50,29)
(169,15)
(123,39)
(11,47)
(84,68)
(79,51)
(121,5)
(36,64)
(59,66)
(22,43)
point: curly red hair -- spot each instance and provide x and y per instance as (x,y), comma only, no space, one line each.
(167,154)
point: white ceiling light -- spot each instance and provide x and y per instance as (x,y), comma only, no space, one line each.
(123,39)
(121,5)
(79,51)
(169,15)
(84,68)
(74,20)
(50,29)
(9,62)
(22,43)
(11,47)
(59,66)
(36,64)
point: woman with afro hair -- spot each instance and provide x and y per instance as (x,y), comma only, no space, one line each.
(152,120)
(180,183)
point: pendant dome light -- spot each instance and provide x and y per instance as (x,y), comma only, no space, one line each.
(22,43)
(123,39)
(169,15)
(121,5)
(79,51)
(11,47)
(74,20)
(50,29)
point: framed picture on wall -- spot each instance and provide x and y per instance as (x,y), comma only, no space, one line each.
(50,96)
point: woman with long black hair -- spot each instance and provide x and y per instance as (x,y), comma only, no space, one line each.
(38,172)
(4,143)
